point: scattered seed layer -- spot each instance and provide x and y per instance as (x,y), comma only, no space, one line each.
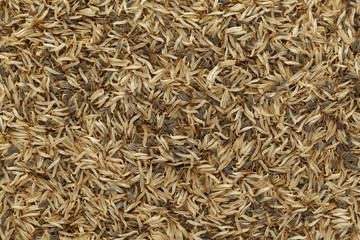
(179,119)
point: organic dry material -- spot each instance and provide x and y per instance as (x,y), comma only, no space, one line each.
(179,119)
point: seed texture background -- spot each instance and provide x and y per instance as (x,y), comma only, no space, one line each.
(179,120)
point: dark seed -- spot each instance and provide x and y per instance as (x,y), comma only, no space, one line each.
(189,55)
(55,237)
(350,157)
(118,30)
(327,103)
(11,163)
(67,120)
(301,58)
(311,104)
(87,87)
(357,88)
(131,196)
(102,110)
(22,94)
(5,216)
(44,204)
(341,204)
(80,99)
(184,96)
(356,46)
(13,150)
(111,189)
(28,107)
(101,62)
(72,109)
(350,76)
(65,85)
(292,18)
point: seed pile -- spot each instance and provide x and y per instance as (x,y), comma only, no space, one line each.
(205,119)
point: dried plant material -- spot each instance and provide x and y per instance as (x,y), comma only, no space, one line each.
(179,119)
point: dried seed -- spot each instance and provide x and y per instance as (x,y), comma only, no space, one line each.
(65,85)
(350,157)
(12,150)
(356,46)
(102,110)
(111,189)
(296,39)
(44,204)
(5,216)
(184,96)
(311,104)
